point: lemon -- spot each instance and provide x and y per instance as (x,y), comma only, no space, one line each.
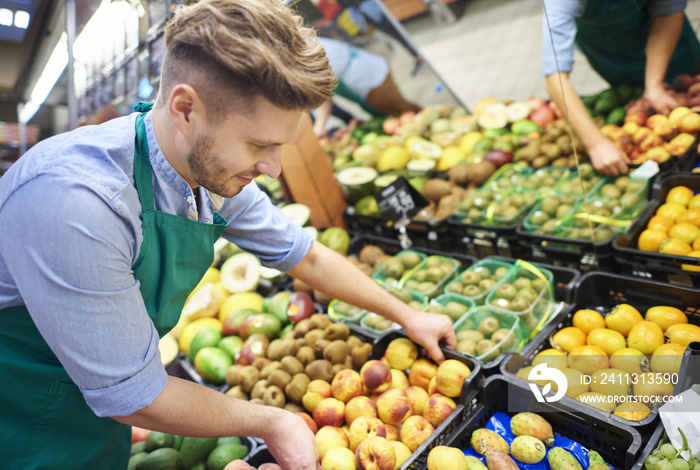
(190,330)
(450,157)
(393,158)
(240,300)
(468,140)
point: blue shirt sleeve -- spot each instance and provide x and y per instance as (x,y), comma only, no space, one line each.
(558,34)
(666,7)
(262,229)
(75,277)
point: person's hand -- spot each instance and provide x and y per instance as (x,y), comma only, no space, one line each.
(292,443)
(431,331)
(608,159)
(660,100)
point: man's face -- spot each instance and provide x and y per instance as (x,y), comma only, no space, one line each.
(227,155)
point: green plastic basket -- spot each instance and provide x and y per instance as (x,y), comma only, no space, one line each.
(480,298)
(514,341)
(439,284)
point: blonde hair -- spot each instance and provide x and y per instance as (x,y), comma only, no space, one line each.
(234,51)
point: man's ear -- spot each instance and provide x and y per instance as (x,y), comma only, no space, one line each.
(186,109)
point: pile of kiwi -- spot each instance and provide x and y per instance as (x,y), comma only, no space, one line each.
(519,296)
(317,348)
(555,147)
(393,268)
(452,309)
(486,340)
(476,281)
(431,274)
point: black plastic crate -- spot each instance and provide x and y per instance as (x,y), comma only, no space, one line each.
(486,240)
(430,235)
(598,290)
(368,224)
(618,444)
(652,265)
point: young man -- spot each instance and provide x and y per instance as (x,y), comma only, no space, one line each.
(641,42)
(106,229)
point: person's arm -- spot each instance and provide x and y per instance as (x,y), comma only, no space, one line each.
(189,409)
(331,273)
(321,116)
(664,32)
(605,156)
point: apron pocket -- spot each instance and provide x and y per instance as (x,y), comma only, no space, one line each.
(68,434)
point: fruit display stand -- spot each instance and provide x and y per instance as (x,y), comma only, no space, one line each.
(618,444)
(690,369)
(601,292)
(673,269)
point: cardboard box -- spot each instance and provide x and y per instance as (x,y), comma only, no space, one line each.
(308,178)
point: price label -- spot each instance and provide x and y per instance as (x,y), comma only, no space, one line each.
(399,201)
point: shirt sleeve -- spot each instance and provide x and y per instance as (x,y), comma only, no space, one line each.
(257,226)
(558,35)
(666,7)
(72,265)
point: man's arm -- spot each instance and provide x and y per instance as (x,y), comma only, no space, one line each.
(664,32)
(606,157)
(327,271)
(321,116)
(190,409)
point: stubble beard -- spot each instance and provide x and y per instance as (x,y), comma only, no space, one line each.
(209,173)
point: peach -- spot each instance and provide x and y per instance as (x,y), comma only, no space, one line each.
(393,406)
(376,375)
(359,406)
(438,408)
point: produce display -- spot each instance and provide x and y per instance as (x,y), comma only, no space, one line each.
(621,361)
(665,455)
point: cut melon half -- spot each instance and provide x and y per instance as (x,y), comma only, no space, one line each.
(297,213)
(357,182)
(425,149)
(241,273)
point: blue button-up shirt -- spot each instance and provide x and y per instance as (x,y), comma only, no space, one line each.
(69,234)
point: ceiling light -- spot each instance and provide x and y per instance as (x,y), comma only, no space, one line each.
(52,72)
(21,19)
(5,17)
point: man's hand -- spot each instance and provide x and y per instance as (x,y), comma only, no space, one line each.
(292,443)
(431,331)
(608,159)
(660,100)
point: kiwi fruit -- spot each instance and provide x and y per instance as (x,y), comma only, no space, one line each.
(279,378)
(267,370)
(261,362)
(320,369)
(237,392)
(467,346)
(312,336)
(482,347)
(247,377)
(504,338)
(336,331)
(370,253)
(258,389)
(338,367)
(274,350)
(296,388)
(348,362)
(274,396)
(306,355)
(319,346)
(353,341)
(488,326)
(302,327)
(360,354)
(232,375)
(474,335)
(319,320)
(336,351)
(295,408)
(289,347)
(292,365)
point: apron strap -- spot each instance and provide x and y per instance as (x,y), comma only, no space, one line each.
(142,163)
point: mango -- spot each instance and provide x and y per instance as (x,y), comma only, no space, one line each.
(562,459)
(484,439)
(531,424)
(528,449)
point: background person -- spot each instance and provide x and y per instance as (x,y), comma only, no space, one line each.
(633,42)
(106,229)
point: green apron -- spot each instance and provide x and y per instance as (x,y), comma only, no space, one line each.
(44,420)
(612,34)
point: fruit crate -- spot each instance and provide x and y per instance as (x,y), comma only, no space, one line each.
(433,235)
(653,265)
(471,384)
(690,369)
(617,443)
(601,292)
(485,240)
(368,224)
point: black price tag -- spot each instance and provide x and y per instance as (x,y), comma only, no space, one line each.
(399,201)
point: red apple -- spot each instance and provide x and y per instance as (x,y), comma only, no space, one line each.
(375,453)
(301,306)
(542,116)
